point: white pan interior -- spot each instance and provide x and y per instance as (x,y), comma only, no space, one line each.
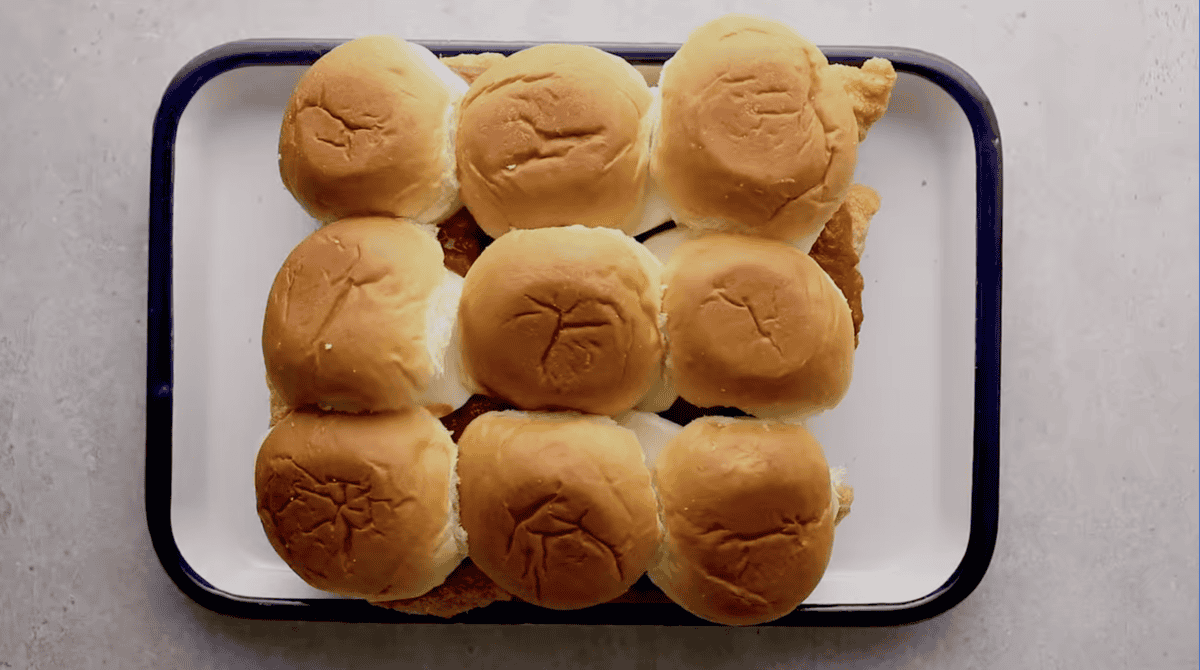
(904,431)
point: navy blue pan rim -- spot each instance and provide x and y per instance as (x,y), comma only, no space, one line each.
(159,367)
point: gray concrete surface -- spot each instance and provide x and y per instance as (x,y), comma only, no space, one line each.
(1096,562)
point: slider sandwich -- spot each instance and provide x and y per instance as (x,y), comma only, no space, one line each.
(363,506)
(757,135)
(755,324)
(555,135)
(563,319)
(749,509)
(557,507)
(369,129)
(360,318)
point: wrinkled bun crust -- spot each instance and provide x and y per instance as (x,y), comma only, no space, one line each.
(367,131)
(558,508)
(757,136)
(755,324)
(749,516)
(360,505)
(563,318)
(555,135)
(345,327)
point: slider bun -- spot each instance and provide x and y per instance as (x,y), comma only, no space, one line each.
(361,505)
(558,507)
(368,130)
(757,136)
(755,324)
(348,315)
(555,135)
(563,318)
(748,513)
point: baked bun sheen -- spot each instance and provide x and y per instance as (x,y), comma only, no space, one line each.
(749,512)
(369,130)
(563,319)
(757,136)
(359,318)
(557,507)
(757,325)
(361,505)
(555,135)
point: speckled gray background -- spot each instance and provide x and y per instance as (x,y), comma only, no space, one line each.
(1096,562)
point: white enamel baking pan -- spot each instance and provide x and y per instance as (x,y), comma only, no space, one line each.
(918,432)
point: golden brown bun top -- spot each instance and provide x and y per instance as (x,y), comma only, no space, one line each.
(359,505)
(563,318)
(345,321)
(558,508)
(749,516)
(365,132)
(756,137)
(755,324)
(554,135)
